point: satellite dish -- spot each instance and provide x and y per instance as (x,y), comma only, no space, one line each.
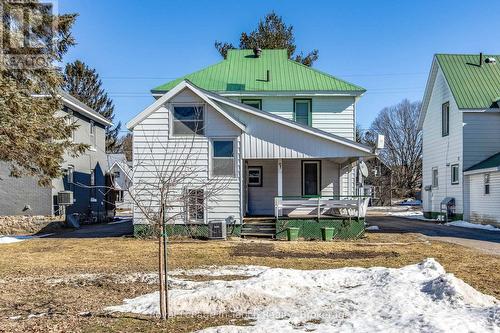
(363,168)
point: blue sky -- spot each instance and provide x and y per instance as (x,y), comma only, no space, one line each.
(384,46)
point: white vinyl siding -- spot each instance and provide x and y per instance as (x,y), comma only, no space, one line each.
(332,114)
(152,145)
(481,136)
(442,152)
(484,208)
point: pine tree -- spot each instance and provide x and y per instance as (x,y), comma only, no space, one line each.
(84,83)
(33,135)
(271,33)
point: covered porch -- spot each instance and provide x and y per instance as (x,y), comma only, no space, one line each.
(291,188)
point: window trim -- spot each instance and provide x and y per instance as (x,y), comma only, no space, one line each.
(211,156)
(445,130)
(309,115)
(457,181)
(486,184)
(258,167)
(243,100)
(302,169)
(436,185)
(171,109)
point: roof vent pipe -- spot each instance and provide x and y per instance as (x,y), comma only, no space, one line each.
(257,51)
(268,76)
(480,59)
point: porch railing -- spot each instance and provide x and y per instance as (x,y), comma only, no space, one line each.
(346,205)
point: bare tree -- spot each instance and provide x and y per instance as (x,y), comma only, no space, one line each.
(403,145)
(170,186)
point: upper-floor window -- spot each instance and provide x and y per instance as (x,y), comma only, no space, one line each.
(435,177)
(454,174)
(92,133)
(223,159)
(487,183)
(255,103)
(302,111)
(188,120)
(445,119)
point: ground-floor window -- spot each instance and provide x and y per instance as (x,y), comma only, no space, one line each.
(454,174)
(487,183)
(195,205)
(119,196)
(435,177)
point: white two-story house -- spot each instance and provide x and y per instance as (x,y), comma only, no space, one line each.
(460,120)
(268,128)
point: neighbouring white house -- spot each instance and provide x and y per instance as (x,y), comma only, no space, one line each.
(278,136)
(460,120)
(120,175)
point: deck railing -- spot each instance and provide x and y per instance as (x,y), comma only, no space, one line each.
(347,205)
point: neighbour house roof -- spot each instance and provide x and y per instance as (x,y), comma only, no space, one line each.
(84,109)
(473,86)
(214,99)
(491,163)
(272,71)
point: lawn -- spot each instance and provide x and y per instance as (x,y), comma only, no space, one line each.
(69,282)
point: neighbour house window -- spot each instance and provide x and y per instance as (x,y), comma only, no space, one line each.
(71,121)
(255,103)
(302,111)
(119,196)
(445,119)
(254,178)
(487,183)
(454,174)
(188,120)
(117,174)
(195,204)
(93,190)
(435,177)
(92,133)
(71,170)
(223,159)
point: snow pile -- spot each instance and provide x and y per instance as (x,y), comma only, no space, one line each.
(411,214)
(420,297)
(464,224)
(8,240)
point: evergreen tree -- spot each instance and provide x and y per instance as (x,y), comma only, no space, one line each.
(84,83)
(33,135)
(271,33)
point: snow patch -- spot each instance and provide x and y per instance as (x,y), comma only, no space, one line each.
(372,227)
(414,298)
(8,240)
(465,224)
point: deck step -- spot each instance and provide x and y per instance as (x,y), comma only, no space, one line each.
(258,228)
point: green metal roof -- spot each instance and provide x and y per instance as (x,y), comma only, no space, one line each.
(472,86)
(490,162)
(243,72)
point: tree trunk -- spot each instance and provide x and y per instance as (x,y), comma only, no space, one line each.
(163,312)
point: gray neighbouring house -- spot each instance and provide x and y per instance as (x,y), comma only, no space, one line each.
(84,176)
(120,173)
(460,120)
(280,136)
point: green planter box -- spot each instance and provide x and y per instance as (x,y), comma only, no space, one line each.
(327,233)
(292,234)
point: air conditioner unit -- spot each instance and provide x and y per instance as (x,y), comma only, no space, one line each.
(217,230)
(65,198)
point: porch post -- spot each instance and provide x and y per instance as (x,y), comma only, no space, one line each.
(280,181)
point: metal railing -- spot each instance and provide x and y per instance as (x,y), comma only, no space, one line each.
(347,205)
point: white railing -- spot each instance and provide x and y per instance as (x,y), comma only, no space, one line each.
(348,206)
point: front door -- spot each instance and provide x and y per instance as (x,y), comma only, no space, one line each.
(311,178)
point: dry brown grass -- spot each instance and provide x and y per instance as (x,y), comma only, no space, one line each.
(44,258)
